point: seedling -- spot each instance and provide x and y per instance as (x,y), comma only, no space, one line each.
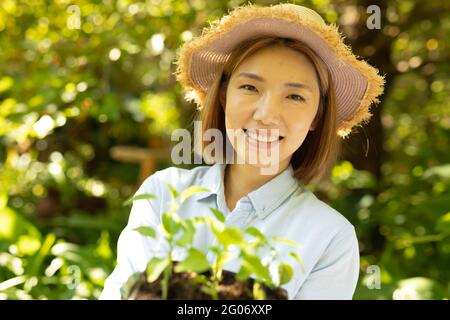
(255,252)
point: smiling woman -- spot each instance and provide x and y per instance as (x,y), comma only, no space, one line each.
(274,79)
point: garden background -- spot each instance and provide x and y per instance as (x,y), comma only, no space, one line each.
(87,111)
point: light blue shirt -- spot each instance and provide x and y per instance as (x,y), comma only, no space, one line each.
(281,207)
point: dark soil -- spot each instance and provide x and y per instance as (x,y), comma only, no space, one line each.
(183,286)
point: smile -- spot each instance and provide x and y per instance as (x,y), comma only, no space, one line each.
(261,135)
(260,140)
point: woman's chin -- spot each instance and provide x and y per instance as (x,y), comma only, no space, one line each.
(261,160)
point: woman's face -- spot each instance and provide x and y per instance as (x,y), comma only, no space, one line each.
(275,90)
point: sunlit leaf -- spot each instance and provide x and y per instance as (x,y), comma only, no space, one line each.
(139,197)
(171,223)
(256,233)
(188,234)
(219,215)
(258,291)
(298,259)
(253,265)
(287,241)
(155,267)
(173,191)
(231,235)
(285,273)
(146,231)
(195,262)
(189,192)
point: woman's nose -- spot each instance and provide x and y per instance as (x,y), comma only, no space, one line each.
(267,110)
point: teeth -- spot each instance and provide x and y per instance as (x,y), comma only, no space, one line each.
(261,138)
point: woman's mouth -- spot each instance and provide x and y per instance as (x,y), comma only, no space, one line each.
(261,138)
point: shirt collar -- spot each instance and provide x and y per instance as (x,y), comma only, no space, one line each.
(265,199)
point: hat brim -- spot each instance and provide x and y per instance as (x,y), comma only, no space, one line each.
(357,84)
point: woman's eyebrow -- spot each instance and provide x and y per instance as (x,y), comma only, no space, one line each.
(261,79)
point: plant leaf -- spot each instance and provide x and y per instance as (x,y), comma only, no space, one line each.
(171,223)
(254,265)
(173,191)
(287,241)
(138,197)
(258,291)
(196,220)
(297,257)
(146,231)
(155,267)
(214,225)
(243,273)
(218,214)
(195,261)
(256,233)
(230,235)
(188,234)
(285,272)
(214,249)
(191,191)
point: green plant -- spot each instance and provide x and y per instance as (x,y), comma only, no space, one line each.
(250,246)
(38,266)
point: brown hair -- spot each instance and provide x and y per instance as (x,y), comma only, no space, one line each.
(320,149)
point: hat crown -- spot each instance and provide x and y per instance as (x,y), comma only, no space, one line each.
(302,11)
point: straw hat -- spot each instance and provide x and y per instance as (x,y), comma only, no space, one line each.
(357,84)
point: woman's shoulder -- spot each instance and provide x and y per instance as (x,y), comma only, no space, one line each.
(321,214)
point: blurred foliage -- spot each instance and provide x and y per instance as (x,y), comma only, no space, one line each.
(68,95)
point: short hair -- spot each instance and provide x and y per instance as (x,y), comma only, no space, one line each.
(319,151)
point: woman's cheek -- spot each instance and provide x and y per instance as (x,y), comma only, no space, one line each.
(238,110)
(237,105)
(298,130)
(234,119)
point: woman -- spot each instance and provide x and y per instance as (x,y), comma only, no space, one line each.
(275,81)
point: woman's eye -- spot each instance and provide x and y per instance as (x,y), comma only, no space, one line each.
(296,97)
(248,87)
